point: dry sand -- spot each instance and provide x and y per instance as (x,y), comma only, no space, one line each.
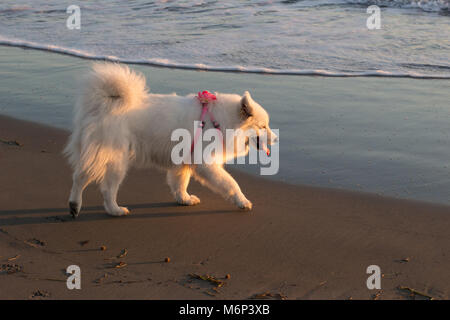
(298,242)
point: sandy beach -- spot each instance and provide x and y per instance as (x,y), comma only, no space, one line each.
(299,242)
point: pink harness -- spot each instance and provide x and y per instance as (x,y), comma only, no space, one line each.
(205,98)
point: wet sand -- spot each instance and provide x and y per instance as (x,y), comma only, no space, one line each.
(299,242)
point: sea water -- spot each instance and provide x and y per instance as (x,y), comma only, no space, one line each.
(324,37)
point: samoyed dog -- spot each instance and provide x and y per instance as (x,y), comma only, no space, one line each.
(118,123)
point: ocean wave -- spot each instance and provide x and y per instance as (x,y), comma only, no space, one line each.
(425,5)
(166,63)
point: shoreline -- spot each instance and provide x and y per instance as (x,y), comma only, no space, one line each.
(29,45)
(300,242)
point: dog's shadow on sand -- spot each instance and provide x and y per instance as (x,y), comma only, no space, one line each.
(96,213)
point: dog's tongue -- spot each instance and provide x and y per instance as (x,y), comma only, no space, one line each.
(265,148)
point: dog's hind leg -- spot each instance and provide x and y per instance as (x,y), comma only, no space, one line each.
(114,175)
(80,181)
(219,180)
(178,180)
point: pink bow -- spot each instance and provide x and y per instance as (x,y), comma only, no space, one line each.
(206,97)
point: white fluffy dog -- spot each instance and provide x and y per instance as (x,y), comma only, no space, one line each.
(118,124)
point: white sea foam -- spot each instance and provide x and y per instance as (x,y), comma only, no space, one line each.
(237,68)
(426,5)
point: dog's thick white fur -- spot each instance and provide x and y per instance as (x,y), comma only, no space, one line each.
(118,123)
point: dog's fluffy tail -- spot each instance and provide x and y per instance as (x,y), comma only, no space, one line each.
(114,88)
(98,135)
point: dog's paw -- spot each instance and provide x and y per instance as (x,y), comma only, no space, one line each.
(192,200)
(121,211)
(74,209)
(245,205)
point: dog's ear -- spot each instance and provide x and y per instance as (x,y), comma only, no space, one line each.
(246,109)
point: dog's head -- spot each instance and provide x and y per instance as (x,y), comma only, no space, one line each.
(249,121)
(255,121)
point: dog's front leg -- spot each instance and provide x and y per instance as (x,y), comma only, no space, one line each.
(219,180)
